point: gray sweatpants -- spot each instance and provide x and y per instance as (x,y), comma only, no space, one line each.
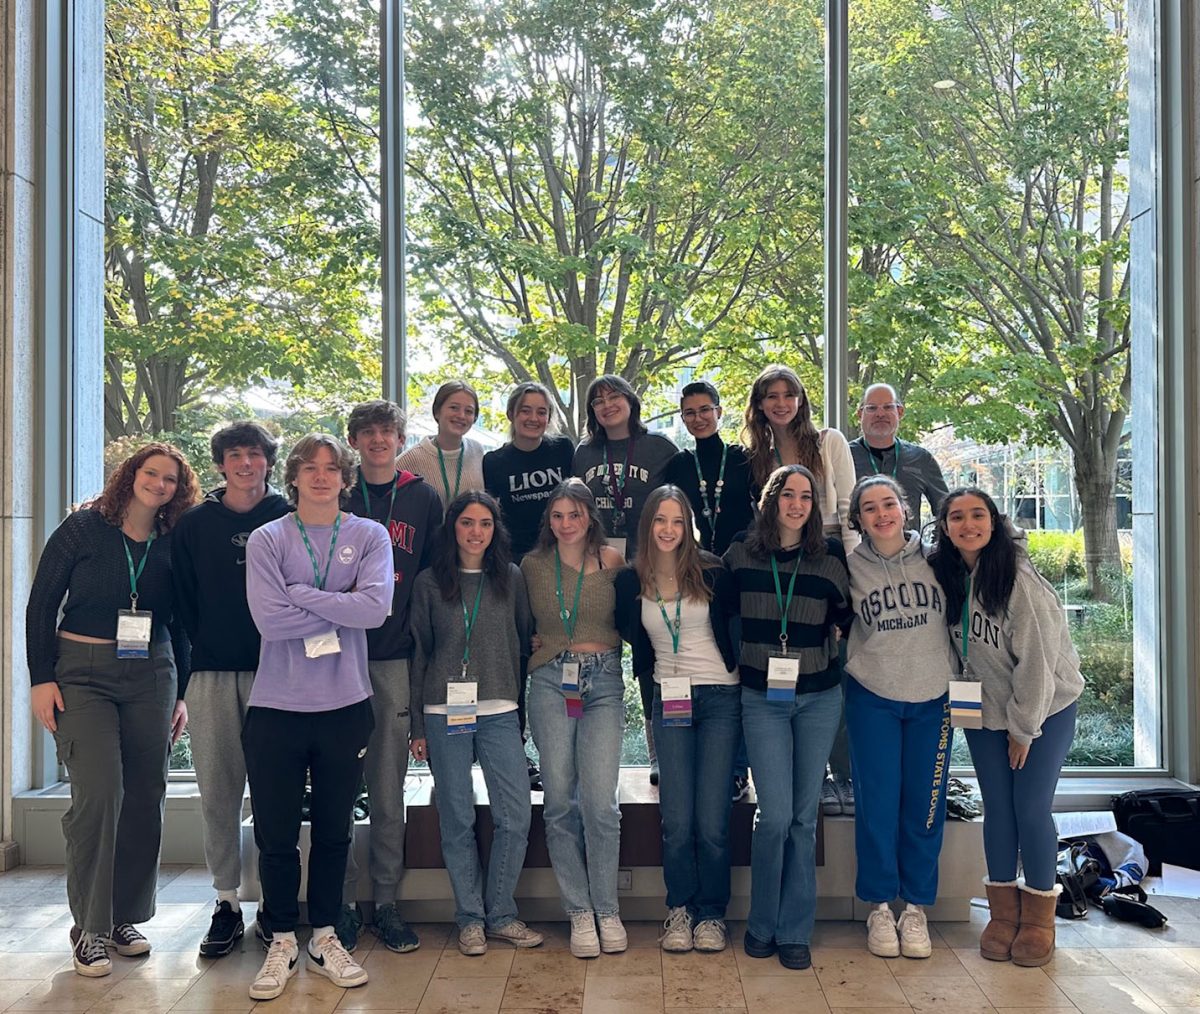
(114,739)
(217,703)
(385,769)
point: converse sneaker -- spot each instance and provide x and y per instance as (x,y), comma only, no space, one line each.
(89,954)
(914,933)
(613,939)
(677,931)
(329,958)
(472,941)
(129,943)
(225,930)
(882,940)
(272,978)
(831,802)
(585,943)
(517,934)
(710,936)
(395,933)
(844,787)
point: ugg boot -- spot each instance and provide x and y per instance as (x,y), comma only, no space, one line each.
(1034,945)
(1004,901)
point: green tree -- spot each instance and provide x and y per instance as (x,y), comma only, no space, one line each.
(593,187)
(1000,136)
(238,245)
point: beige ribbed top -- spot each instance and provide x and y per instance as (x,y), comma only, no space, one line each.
(595,621)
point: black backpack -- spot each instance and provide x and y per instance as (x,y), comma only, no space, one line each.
(1165,821)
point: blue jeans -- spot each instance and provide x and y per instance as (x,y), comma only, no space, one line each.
(696,764)
(497,744)
(580,761)
(900,753)
(789,746)
(1017,804)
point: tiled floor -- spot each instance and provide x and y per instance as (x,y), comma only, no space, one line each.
(1100,966)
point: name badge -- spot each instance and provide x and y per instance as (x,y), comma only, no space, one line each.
(133,633)
(322,644)
(462,707)
(783,671)
(618,545)
(966,704)
(676,701)
(570,689)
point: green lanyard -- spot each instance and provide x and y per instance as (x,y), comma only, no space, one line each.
(778,456)
(878,465)
(391,503)
(462,453)
(785,607)
(711,513)
(135,574)
(672,628)
(469,624)
(570,616)
(966,623)
(318,577)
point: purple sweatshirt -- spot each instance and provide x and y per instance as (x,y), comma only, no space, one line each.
(287,608)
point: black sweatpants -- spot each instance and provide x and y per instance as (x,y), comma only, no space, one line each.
(282,749)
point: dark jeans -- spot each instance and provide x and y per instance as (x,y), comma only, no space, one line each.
(1017,804)
(282,749)
(114,740)
(696,765)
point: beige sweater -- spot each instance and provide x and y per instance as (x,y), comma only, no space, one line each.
(422,459)
(596,618)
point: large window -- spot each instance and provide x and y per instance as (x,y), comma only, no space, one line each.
(607,188)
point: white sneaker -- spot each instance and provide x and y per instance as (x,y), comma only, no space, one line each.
(328,957)
(882,940)
(710,936)
(585,943)
(677,931)
(914,933)
(472,941)
(613,939)
(282,959)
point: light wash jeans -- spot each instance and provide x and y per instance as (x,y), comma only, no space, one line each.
(789,747)
(696,766)
(497,744)
(580,761)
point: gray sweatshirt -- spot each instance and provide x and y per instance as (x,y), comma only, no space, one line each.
(1025,659)
(499,639)
(899,646)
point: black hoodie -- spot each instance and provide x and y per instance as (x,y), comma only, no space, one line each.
(415,515)
(208,558)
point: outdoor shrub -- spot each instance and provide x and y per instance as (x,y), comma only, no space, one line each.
(1057,555)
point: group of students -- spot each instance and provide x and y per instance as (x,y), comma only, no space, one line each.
(428,602)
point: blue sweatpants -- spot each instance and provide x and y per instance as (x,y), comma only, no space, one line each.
(900,758)
(1017,804)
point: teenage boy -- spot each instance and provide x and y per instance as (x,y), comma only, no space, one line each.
(411,511)
(208,555)
(716,475)
(317,581)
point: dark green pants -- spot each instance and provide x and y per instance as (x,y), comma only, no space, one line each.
(114,739)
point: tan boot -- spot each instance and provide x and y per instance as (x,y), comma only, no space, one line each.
(1034,945)
(1004,901)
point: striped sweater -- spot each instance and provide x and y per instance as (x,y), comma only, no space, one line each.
(820,602)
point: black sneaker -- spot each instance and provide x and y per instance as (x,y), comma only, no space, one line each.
(395,933)
(535,777)
(265,936)
(127,940)
(89,954)
(349,922)
(654,771)
(226,929)
(795,956)
(756,948)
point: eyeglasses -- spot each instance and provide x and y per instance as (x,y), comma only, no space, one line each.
(605,399)
(692,414)
(891,406)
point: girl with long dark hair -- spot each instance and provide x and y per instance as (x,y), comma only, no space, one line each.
(1010,631)
(471,626)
